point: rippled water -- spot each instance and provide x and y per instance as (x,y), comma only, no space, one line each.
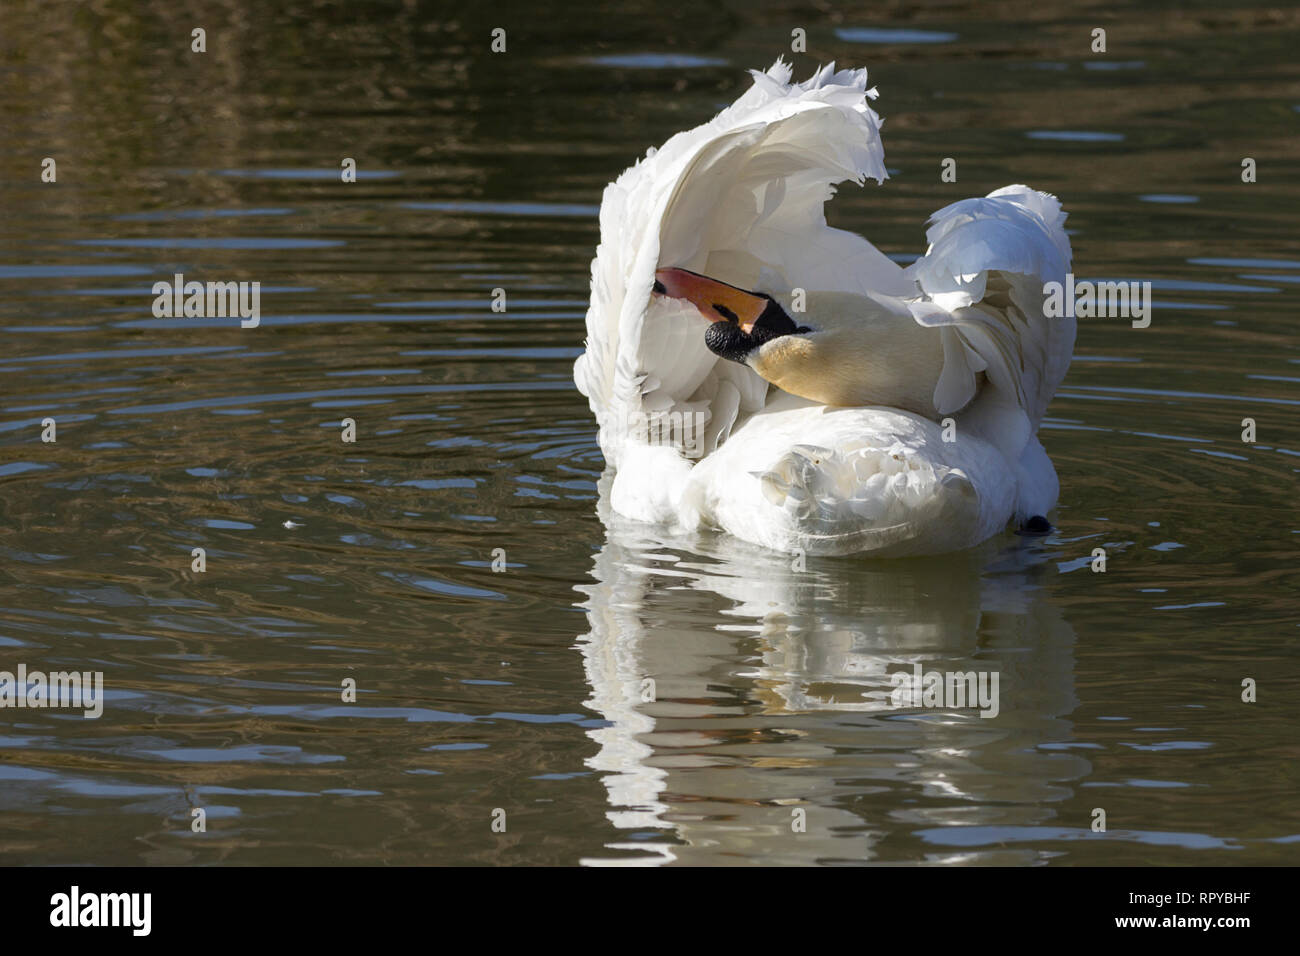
(523,691)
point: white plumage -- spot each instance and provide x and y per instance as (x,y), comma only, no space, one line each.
(740,199)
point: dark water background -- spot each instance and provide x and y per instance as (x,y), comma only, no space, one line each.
(522,690)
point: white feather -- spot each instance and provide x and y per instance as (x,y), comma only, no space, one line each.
(740,198)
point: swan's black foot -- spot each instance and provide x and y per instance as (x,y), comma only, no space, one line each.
(1035,526)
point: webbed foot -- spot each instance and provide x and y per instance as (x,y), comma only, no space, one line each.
(1037,526)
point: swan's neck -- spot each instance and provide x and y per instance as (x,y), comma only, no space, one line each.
(872,358)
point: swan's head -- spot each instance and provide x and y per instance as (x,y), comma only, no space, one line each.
(860,350)
(740,321)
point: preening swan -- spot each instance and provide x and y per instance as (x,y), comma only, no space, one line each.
(755,370)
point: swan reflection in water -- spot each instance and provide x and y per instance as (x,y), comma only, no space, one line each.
(739,690)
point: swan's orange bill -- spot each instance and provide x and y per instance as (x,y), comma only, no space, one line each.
(716,301)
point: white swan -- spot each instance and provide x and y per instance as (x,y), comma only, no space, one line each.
(754,370)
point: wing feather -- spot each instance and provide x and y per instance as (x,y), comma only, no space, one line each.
(982,277)
(741,198)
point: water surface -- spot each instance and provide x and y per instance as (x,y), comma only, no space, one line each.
(524,690)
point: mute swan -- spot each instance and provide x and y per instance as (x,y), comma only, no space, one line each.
(755,370)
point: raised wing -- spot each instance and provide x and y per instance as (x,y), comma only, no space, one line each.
(983,279)
(740,199)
